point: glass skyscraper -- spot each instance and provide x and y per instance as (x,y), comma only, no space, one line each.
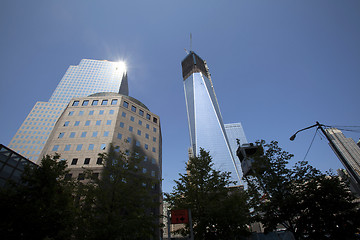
(206,125)
(235,131)
(89,77)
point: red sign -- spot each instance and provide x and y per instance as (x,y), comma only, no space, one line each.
(179,216)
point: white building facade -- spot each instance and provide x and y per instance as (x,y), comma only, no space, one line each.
(90,76)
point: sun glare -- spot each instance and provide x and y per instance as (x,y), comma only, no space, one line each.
(121,66)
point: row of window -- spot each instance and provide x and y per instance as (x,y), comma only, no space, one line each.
(81,176)
(140,112)
(91,113)
(40,120)
(99,161)
(122,125)
(91,146)
(83,134)
(41,128)
(79,147)
(42,104)
(86,161)
(28,141)
(25,147)
(31,137)
(44,124)
(87,123)
(105,102)
(105,134)
(108,122)
(95,102)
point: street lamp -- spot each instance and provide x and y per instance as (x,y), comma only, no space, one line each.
(341,157)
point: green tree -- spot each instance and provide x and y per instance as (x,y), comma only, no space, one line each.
(218,212)
(41,206)
(310,204)
(122,204)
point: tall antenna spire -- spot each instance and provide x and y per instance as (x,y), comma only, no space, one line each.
(190,42)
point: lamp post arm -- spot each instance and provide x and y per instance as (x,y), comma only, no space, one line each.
(315,125)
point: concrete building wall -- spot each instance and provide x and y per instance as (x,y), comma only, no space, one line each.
(84,130)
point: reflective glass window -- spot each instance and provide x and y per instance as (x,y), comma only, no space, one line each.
(104,102)
(67,147)
(85,102)
(95,102)
(75,103)
(114,102)
(119,136)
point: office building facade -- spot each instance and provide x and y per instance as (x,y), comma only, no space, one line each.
(347,148)
(90,76)
(90,124)
(206,125)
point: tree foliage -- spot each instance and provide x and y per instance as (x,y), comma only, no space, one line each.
(310,204)
(41,206)
(218,212)
(122,204)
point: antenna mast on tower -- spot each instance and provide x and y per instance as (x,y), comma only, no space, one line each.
(190,42)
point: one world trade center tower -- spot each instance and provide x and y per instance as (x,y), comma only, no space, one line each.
(206,125)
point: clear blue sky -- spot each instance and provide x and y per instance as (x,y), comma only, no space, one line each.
(277,66)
